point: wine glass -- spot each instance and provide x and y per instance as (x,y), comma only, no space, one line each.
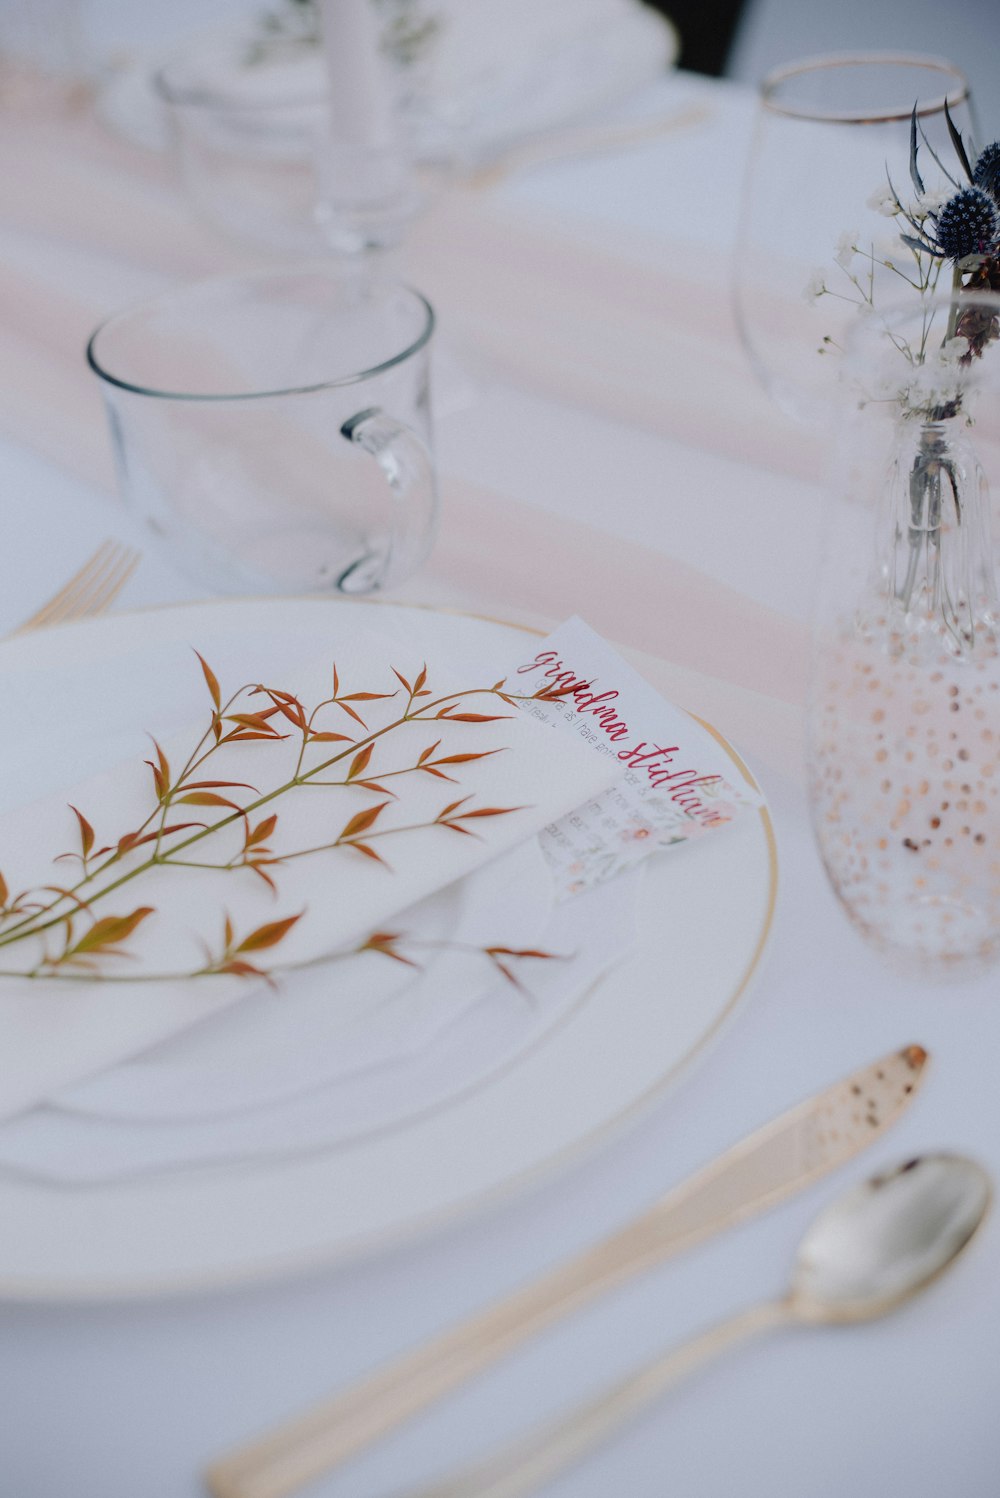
(250,124)
(819,232)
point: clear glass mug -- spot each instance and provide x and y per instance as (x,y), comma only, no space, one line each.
(274,429)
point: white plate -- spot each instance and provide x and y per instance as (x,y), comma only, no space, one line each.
(705,916)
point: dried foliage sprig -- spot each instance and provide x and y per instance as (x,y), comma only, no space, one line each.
(958,226)
(69,939)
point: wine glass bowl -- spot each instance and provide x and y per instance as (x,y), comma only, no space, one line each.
(819,235)
(249,122)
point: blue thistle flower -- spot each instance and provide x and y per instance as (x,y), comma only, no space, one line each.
(968,224)
(986,174)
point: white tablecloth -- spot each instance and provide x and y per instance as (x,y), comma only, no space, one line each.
(117,1401)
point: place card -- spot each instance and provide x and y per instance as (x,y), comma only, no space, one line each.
(676,781)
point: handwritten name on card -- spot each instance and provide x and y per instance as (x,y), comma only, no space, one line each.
(676,781)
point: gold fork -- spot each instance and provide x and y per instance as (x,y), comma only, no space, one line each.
(90,590)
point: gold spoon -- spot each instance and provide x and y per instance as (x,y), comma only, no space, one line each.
(868,1252)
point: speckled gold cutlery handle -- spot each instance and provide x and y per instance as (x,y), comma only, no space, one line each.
(783,1157)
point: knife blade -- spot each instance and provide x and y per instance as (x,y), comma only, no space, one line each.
(783,1157)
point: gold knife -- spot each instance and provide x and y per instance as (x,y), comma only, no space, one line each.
(781,1158)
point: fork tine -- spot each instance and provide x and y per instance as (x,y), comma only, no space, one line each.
(64,598)
(107,588)
(90,590)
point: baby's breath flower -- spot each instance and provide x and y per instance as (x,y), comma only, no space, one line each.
(954,349)
(815,287)
(883,200)
(847,248)
(930,200)
(889,250)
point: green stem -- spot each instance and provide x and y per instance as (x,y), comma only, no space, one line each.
(26,929)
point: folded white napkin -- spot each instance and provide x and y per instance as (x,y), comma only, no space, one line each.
(55,1033)
(325,1026)
(54,1144)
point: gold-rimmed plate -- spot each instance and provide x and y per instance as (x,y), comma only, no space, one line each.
(704,917)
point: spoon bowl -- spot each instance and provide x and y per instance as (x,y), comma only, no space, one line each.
(884,1240)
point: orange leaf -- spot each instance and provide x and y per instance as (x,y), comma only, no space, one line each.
(256,868)
(519,952)
(86,831)
(373,785)
(380,939)
(210,680)
(257,721)
(352,714)
(365,696)
(452,806)
(111,929)
(133,840)
(428,752)
(205,785)
(490,811)
(368,852)
(502,968)
(360,761)
(474,717)
(243,970)
(262,831)
(402,680)
(363,821)
(164,762)
(228,931)
(384,951)
(293,712)
(329,738)
(268,935)
(206,798)
(57,889)
(161,771)
(158,782)
(4,891)
(243,735)
(336,680)
(421,679)
(464,759)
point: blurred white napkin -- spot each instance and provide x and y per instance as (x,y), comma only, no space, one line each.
(54,1034)
(495,71)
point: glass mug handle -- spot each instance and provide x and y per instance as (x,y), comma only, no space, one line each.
(406,462)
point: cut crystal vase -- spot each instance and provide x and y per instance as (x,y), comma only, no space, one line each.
(904,710)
